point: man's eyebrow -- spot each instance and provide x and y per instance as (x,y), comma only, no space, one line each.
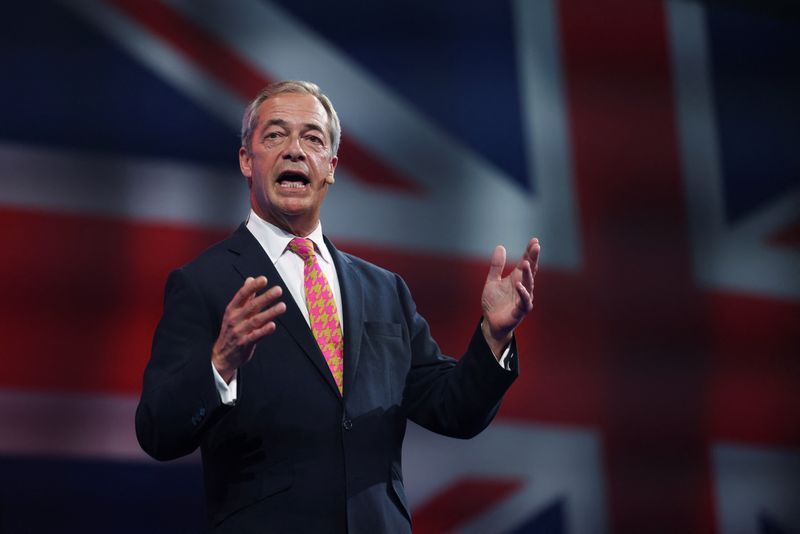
(312,126)
(284,124)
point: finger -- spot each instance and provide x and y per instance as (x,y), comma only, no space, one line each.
(255,303)
(242,293)
(261,332)
(532,253)
(527,275)
(526,298)
(261,283)
(258,320)
(498,263)
(253,329)
(247,308)
(261,301)
(250,286)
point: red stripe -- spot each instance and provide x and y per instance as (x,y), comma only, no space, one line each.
(753,392)
(85,293)
(89,290)
(81,297)
(198,46)
(233,72)
(638,269)
(461,502)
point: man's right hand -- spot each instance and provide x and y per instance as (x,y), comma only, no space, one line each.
(248,318)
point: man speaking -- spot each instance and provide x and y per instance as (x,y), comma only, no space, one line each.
(294,366)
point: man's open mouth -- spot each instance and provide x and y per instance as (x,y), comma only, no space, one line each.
(293,179)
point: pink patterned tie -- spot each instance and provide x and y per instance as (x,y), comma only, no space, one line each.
(321,309)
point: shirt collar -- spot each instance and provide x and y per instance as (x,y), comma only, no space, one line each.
(274,240)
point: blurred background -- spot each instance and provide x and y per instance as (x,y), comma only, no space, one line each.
(651,145)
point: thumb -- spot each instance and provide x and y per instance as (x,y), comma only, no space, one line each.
(498,263)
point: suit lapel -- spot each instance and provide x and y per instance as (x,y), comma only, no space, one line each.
(353,304)
(251,260)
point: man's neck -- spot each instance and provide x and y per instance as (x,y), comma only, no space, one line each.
(298,231)
(299,226)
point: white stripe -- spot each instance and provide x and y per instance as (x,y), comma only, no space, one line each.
(557,462)
(547,137)
(148,190)
(170,64)
(382,122)
(736,258)
(753,482)
(69,425)
(551,462)
(470,205)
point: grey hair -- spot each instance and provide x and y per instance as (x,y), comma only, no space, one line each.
(250,118)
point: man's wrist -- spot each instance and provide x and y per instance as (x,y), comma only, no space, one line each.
(226,390)
(497,346)
(226,373)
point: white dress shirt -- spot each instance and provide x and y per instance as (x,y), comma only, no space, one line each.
(289,265)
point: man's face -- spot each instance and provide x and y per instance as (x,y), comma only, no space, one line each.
(290,158)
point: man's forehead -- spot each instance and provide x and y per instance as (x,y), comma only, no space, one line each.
(292,108)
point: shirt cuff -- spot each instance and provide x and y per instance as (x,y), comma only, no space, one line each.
(227,392)
(505,359)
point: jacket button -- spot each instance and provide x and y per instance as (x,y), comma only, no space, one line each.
(198,416)
(347,424)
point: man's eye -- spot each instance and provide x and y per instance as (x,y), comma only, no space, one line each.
(272,135)
(314,139)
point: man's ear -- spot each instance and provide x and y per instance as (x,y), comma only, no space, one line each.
(245,165)
(332,164)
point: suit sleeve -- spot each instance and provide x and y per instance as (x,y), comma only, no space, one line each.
(179,397)
(457,398)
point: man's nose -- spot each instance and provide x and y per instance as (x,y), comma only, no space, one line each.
(294,151)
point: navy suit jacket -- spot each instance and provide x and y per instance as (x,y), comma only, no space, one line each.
(292,454)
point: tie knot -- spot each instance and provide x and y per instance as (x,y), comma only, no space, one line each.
(302,247)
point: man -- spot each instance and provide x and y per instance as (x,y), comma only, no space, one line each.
(294,367)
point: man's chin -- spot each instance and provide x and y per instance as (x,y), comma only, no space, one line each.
(294,208)
(297,211)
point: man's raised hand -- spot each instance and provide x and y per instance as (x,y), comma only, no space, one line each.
(506,300)
(248,318)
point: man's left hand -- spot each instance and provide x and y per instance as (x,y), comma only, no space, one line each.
(507,300)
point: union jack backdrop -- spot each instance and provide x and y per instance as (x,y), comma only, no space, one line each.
(651,145)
